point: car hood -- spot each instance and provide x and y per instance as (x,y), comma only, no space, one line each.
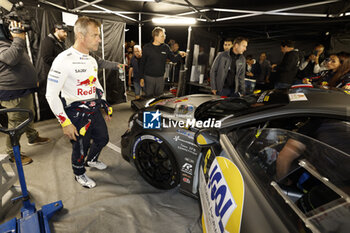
(194,100)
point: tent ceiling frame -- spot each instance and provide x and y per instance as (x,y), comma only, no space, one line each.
(86,5)
(199,10)
(109,11)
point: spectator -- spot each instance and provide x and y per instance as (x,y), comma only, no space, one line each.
(337,73)
(265,70)
(175,49)
(228,70)
(311,65)
(50,47)
(17,83)
(152,64)
(134,71)
(286,71)
(252,71)
(171,42)
(228,43)
(75,96)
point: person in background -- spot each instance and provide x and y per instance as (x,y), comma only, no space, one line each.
(18,81)
(265,71)
(228,43)
(134,71)
(252,72)
(152,65)
(287,70)
(171,42)
(76,97)
(311,65)
(175,49)
(337,73)
(50,47)
(227,74)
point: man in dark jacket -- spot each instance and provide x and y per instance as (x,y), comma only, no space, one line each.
(50,47)
(18,80)
(134,71)
(227,73)
(265,70)
(287,70)
(152,64)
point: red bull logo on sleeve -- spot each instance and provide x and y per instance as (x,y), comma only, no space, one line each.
(89,82)
(61,118)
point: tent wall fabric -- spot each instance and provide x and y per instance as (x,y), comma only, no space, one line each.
(114,38)
(340,43)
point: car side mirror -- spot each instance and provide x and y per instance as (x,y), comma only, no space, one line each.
(207,137)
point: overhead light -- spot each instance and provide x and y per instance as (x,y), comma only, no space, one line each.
(174,21)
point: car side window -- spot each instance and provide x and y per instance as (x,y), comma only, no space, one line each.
(293,168)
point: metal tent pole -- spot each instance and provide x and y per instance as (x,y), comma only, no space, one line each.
(36,97)
(182,76)
(140,43)
(103,57)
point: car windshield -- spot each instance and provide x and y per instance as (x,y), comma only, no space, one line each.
(242,105)
(315,179)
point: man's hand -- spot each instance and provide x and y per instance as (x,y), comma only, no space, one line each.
(250,74)
(182,53)
(121,66)
(15,24)
(273,66)
(142,82)
(70,131)
(106,116)
(214,92)
(312,57)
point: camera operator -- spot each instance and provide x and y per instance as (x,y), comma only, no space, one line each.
(18,80)
(50,47)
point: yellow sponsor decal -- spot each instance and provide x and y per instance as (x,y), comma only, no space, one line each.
(266,98)
(222,197)
(207,156)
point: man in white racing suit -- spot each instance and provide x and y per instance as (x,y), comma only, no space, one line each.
(75,97)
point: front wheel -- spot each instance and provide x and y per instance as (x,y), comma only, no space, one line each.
(155,162)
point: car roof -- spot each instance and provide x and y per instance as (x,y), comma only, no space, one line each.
(302,102)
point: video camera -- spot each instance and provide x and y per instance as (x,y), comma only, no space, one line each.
(14,12)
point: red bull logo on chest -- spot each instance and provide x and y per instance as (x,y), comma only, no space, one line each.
(89,82)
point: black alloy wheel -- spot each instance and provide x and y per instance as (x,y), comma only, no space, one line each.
(157,164)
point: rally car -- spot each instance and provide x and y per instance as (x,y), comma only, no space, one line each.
(239,171)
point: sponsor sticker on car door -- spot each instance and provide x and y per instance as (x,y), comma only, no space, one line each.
(222,197)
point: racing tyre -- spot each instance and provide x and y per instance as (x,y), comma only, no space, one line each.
(155,162)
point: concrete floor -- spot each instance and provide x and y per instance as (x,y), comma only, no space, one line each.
(122,200)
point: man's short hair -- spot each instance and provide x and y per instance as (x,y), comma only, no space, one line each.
(61,26)
(82,23)
(249,57)
(157,30)
(239,39)
(229,39)
(288,43)
(137,47)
